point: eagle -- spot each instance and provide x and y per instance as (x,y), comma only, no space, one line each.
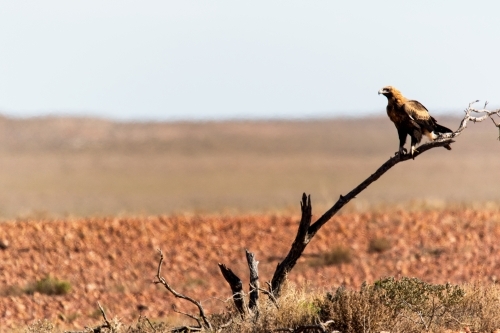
(411,118)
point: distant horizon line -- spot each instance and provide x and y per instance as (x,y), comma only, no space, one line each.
(243,118)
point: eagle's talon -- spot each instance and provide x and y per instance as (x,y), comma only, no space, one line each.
(401,152)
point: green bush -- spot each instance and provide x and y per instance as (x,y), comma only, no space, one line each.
(49,286)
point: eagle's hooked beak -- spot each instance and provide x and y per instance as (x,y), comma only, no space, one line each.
(382,91)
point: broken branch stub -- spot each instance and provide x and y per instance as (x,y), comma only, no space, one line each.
(299,244)
(236,287)
(254,281)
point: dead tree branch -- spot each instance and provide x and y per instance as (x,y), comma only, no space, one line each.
(161,280)
(306,230)
(254,281)
(236,287)
(468,111)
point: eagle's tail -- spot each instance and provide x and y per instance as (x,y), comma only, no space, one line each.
(441,129)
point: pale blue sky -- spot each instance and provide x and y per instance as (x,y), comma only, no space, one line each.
(161,60)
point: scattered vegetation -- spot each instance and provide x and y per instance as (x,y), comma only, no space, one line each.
(40,326)
(389,304)
(338,255)
(412,305)
(379,245)
(49,286)
(11,291)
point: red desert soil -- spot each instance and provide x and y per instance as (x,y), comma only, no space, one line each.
(114,260)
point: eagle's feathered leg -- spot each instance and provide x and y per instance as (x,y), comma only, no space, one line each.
(402,141)
(416,137)
(412,151)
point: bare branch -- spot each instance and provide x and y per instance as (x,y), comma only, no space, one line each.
(236,287)
(178,295)
(97,329)
(468,117)
(271,297)
(254,281)
(174,308)
(226,324)
(104,315)
(151,324)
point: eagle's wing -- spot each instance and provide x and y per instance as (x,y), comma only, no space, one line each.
(419,115)
(417,111)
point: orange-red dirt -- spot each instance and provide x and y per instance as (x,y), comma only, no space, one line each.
(114,260)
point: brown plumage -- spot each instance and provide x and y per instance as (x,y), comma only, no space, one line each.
(411,118)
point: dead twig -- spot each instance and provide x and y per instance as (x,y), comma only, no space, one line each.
(150,324)
(271,297)
(97,329)
(174,308)
(221,327)
(468,117)
(161,280)
(318,327)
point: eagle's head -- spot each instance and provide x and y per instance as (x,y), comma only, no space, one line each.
(389,91)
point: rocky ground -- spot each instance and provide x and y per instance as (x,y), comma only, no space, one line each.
(114,260)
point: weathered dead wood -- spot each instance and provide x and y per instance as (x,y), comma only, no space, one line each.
(306,230)
(468,111)
(254,282)
(161,280)
(236,287)
(299,244)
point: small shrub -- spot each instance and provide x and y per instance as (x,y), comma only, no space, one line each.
(354,312)
(297,306)
(379,245)
(49,286)
(40,326)
(405,305)
(338,255)
(420,301)
(11,291)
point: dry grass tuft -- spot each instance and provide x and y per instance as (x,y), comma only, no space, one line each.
(336,256)
(379,245)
